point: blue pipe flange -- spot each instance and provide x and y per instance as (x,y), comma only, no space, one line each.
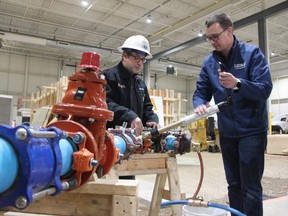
(38,163)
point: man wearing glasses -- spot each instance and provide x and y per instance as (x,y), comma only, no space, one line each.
(238,71)
(127,95)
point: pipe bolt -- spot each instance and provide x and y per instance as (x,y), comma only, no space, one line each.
(21,202)
(94,163)
(78,138)
(21,134)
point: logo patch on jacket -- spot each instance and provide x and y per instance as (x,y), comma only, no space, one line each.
(239,66)
(121,86)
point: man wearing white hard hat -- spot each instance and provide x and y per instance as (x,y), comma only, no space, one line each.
(127,94)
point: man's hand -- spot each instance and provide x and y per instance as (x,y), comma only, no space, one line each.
(227,80)
(201,110)
(137,125)
(152,125)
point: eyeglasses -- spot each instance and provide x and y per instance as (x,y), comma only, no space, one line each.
(215,37)
(138,59)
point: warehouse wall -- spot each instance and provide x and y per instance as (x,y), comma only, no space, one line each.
(279,95)
(21,75)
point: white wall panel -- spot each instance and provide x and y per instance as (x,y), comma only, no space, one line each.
(35,83)
(16,83)
(68,70)
(43,66)
(4,63)
(280,88)
(17,63)
(279,96)
(4,82)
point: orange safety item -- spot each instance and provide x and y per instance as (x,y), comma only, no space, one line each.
(84,109)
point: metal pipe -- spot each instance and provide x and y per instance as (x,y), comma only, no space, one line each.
(43,134)
(187,120)
(43,193)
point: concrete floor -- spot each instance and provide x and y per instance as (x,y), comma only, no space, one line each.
(214,187)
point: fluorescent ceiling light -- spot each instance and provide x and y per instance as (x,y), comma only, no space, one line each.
(84,3)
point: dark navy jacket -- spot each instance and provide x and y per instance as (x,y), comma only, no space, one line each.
(128,97)
(248,113)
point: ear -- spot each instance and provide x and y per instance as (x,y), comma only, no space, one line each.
(230,30)
(125,55)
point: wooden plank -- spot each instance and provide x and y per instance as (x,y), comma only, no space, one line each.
(66,204)
(174,184)
(140,172)
(41,117)
(110,187)
(22,214)
(94,198)
(157,194)
(124,205)
(153,163)
(149,156)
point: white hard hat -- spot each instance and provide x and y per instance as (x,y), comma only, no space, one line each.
(137,42)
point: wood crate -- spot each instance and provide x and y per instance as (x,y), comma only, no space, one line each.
(171,104)
(48,96)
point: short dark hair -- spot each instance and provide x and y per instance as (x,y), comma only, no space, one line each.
(223,19)
(129,51)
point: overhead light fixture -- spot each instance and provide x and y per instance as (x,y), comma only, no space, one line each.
(170,70)
(84,3)
(200,34)
(149,20)
(273,53)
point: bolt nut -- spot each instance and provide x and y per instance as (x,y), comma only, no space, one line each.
(78,138)
(94,163)
(91,120)
(21,202)
(21,134)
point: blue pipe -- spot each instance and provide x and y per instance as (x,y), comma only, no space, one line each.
(67,151)
(213,205)
(227,208)
(174,202)
(8,164)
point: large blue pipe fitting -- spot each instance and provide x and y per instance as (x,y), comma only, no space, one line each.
(31,161)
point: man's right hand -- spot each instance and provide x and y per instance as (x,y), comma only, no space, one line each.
(201,110)
(137,125)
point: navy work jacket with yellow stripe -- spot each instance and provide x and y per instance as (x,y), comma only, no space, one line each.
(247,115)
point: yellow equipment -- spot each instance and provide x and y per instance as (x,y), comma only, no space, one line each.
(205,134)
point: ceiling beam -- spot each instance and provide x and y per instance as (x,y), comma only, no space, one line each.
(219,5)
(238,24)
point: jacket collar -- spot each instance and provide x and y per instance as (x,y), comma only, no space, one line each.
(220,56)
(124,73)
